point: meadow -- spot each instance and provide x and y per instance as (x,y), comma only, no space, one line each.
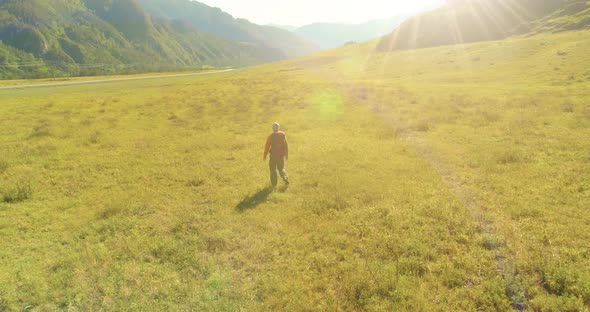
(453,178)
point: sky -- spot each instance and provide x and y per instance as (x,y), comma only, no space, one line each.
(301,12)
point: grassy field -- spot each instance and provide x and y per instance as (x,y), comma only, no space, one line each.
(454,178)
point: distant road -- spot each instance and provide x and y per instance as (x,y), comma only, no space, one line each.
(60,84)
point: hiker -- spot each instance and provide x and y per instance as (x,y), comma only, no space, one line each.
(277,146)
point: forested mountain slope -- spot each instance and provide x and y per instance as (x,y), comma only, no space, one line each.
(45,38)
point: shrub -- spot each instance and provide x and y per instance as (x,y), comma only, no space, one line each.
(509,157)
(567,107)
(491,243)
(4,304)
(454,278)
(552,303)
(110,211)
(41,130)
(18,194)
(490,117)
(561,281)
(422,126)
(94,137)
(412,266)
(195,182)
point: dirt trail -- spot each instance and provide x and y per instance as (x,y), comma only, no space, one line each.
(70,83)
(493,240)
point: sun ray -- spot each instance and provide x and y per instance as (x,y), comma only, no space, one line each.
(455,29)
(459,42)
(491,18)
(505,13)
(480,19)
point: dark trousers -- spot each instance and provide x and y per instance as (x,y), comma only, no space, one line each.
(277,162)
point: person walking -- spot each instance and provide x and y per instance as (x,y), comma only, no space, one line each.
(278,148)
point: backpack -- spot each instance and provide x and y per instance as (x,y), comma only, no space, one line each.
(277,145)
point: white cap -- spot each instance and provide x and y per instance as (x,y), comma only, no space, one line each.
(276,126)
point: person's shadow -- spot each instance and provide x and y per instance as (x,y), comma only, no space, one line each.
(252,201)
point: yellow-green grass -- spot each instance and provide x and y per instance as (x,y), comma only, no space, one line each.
(454,178)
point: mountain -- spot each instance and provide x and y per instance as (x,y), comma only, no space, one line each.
(49,38)
(221,24)
(464,21)
(285,27)
(334,35)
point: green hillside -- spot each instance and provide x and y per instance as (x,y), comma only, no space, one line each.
(59,37)
(575,15)
(464,21)
(453,178)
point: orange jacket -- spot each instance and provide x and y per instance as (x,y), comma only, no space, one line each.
(276,145)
